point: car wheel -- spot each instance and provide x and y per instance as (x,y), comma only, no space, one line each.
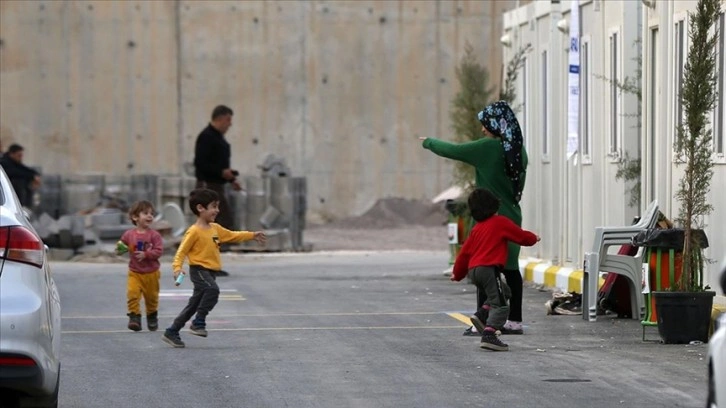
(711,402)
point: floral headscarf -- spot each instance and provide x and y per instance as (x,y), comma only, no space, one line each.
(499,119)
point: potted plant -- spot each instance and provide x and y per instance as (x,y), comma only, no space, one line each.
(684,310)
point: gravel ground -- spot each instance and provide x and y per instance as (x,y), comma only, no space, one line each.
(411,237)
(392,224)
(329,238)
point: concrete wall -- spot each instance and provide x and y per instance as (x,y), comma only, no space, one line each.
(341,89)
(79,95)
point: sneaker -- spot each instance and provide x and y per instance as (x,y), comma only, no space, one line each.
(200,331)
(511,327)
(449,270)
(479,319)
(549,307)
(472,331)
(172,338)
(490,341)
(152,321)
(134,322)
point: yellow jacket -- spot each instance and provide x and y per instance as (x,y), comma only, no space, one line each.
(201,245)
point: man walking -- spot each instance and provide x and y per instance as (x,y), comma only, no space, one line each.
(212,168)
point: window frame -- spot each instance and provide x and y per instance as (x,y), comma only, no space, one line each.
(545,112)
(585,116)
(654,39)
(615,121)
(718,116)
(524,123)
(680,54)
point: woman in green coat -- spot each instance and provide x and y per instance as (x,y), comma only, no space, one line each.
(500,162)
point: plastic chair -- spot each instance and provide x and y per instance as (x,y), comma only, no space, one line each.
(599,260)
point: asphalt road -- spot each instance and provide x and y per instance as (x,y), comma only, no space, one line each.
(353,330)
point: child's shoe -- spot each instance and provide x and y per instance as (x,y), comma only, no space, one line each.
(198,328)
(134,322)
(479,319)
(152,321)
(511,327)
(172,338)
(490,341)
(472,331)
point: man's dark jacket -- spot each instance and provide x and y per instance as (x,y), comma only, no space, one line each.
(211,155)
(21,177)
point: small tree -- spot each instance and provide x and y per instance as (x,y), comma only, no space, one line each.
(509,91)
(474,93)
(694,138)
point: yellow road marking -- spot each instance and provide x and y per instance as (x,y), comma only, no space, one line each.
(460,317)
(221,297)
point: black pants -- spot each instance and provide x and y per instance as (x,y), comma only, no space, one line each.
(224,218)
(203,300)
(515,283)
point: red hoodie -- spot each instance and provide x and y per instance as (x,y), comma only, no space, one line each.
(487,244)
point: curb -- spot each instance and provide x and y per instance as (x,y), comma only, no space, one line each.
(564,279)
(561,278)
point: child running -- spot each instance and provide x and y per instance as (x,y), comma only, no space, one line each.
(483,256)
(145,247)
(201,246)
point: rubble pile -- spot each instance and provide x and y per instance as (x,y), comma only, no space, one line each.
(91,234)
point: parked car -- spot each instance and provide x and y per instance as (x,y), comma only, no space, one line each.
(30,313)
(717,357)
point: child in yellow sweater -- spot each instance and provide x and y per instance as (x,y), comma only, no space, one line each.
(201,246)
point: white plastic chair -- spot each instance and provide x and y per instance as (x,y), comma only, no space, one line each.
(629,266)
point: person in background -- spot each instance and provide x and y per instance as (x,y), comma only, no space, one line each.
(145,247)
(482,257)
(212,168)
(500,162)
(24,179)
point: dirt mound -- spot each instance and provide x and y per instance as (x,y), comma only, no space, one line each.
(395,213)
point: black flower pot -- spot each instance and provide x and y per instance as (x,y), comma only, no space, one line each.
(684,316)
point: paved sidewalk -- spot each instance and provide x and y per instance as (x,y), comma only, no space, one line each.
(567,279)
(609,348)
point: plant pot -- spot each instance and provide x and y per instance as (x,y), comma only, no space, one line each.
(684,316)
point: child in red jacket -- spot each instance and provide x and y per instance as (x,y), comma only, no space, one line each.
(482,257)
